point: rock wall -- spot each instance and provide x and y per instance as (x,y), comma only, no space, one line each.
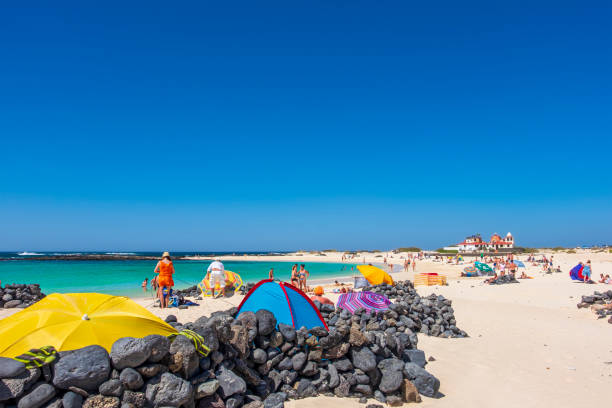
(254,362)
(20,295)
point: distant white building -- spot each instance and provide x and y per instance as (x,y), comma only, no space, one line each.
(475,243)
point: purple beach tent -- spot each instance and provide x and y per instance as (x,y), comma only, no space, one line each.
(289,304)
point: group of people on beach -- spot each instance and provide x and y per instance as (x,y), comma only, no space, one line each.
(163,282)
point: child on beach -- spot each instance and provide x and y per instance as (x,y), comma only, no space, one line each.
(586,271)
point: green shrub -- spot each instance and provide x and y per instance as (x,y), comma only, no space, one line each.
(447,251)
(409,249)
(571,251)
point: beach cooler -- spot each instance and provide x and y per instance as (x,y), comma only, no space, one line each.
(429,279)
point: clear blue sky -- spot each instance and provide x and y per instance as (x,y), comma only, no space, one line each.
(283,125)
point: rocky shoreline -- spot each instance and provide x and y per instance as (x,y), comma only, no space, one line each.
(253,362)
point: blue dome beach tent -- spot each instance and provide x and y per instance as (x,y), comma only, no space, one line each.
(290,305)
(576,272)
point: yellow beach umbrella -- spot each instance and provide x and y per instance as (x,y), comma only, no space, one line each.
(231,279)
(75,320)
(375,275)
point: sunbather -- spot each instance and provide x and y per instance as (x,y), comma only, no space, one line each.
(318,296)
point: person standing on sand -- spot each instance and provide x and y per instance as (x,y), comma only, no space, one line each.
(165,269)
(413,265)
(294,276)
(217,275)
(587,271)
(303,275)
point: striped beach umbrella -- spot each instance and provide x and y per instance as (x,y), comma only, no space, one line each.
(469,269)
(368,300)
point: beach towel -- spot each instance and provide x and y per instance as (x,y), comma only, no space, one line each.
(576,272)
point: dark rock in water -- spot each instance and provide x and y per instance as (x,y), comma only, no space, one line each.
(230,383)
(37,396)
(159,345)
(84,368)
(112,388)
(171,391)
(363,359)
(10,368)
(425,382)
(416,356)
(72,400)
(184,359)
(206,389)
(275,400)
(130,352)
(136,399)
(266,322)
(131,379)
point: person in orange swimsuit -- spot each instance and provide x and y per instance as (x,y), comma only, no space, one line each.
(165,269)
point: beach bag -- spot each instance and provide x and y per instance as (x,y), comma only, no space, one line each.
(173,301)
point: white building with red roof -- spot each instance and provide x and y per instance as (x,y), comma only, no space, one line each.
(475,243)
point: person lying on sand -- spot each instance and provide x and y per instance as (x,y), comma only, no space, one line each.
(605,279)
(524,276)
(318,296)
(339,283)
(491,279)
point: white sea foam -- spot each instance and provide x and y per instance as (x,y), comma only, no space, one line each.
(120,253)
(29,254)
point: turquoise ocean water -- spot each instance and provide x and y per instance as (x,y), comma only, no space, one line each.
(125,277)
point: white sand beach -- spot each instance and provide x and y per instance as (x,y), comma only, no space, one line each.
(529,344)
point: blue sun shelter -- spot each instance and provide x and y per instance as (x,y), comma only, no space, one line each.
(290,305)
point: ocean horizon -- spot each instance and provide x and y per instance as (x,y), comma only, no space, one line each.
(124,277)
